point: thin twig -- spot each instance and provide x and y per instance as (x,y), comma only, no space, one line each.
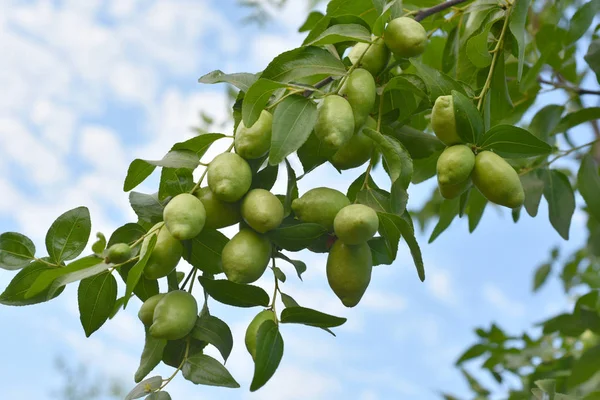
(318,85)
(422,14)
(574,89)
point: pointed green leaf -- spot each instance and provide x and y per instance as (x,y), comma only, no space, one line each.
(397,159)
(96,297)
(137,173)
(14,294)
(69,234)
(205,370)
(145,387)
(151,356)
(240,80)
(438,84)
(16,251)
(256,98)
(174,181)
(575,118)
(307,316)
(303,62)
(585,367)
(235,294)
(469,123)
(269,351)
(147,207)
(296,237)
(512,142)
(518,17)
(198,145)
(561,201)
(216,332)
(204,251)
(135,273)
(588,183)
(342,33)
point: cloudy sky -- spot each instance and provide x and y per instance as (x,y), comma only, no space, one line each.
(87,86)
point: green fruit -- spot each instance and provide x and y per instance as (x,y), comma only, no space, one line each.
(356,151)
(246,256)
(254,142)
(589,339)
(118,253)
(443,122)
(349,271)
(355,224)
(374,60)
(454,167)
(219,214)
(497,180)
(262,210)
(146,313)
(320,206)
(335,122)
(252,330)
(229,177)
(184,216)
(174,316)
(165,255)
(449,191)
(405,37)
(360,91)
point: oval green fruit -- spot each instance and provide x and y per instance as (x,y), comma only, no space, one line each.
(184,216)
(497,180)
(405,37)
(360,91)
(252,330)
(262,210)
(335,122)
(451,191)
(246,256)
(443,121)
(374,60)
(349,271)
(229,177)
(356,151)
(219,214)
(454,167)
(355,224)
(165,255)
(254,142)
(174,316)
(118,253)
(320,206)
(146,313)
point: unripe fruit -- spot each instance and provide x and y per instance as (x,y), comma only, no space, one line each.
(252,330)
(246,256)
(184,216)
(219,214)
(497,180)
(355,224)
(254,142)
(335,122)
(262,210)
(454,167)
(174,316)
(229,177)
(405,37)
(356,151)
(449,191)
(320,206)
(118,253)
(443,122)
(360,91)
(165,255)
(146,313)
(375,59)
(349,271)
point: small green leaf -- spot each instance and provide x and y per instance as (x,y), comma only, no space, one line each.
(204,251)
(448,210)
(518,18)
(177,159)
(81,269)
(265,178)
(582,19)
(472,352)
(561,201)
(151,356)
(288,301)
(100,244)
(14,294)
(135,273)
(147,207)
(303,62)
(469,123)
(311,20)
(240,80)
(205,370)
(313,153)
(512,142)
(588,183)
(127,233)
(377,199)
(592,57)
(541,274)
(307,316)
(159,396)
(174,181)
(144,387)
(69,234)
(198,145)
(342,33)
(300,266)
(96,297)
(397,159)
(269,351)
(291,192)
(296,237)
(256,98)
(279,274)
(138,171)
(585,367)
(545,121)
(419,144)
(235,294)
(16,251)
(216,332)
(575,118)
(392,228)
(533,186)
(438,84)
(475,208)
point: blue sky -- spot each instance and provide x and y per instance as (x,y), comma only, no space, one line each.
(89,86)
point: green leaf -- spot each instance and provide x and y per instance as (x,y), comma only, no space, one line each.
(518,17)
(307,316)
(588,183)
(475,208)
(438,84)
(296,237)
(269,351)
(293,122)
(392,10)
(585,367)
(472,352)
(419,144)
(448,210)
(561,201)
(512,142)
(477,46)
(533,186)
(151,356)
(581,20)
(541,275)
(175,181)
(397,159)
(235,294)
(575,118)
(265,178)
(500,102)
(127,233)
(147,207)
(14,294)
(16,251)
(216,332)
(205,370)
(291,192)
(592,57)
(303,62)
(288,300)
(311,20)
(96,297)
(342,33)
(313,153)
(177,159)
(256,99)
(204,251)
(99,245)
(240,80)
(81,269)
(159,396)
(137,173)
(380,252)
(362,8)
(135,273)
(545,121)
(144,387)
(279,274)
(469,123)
(69,234)
(393,227)
(198,145)
(300,266)
(377,199)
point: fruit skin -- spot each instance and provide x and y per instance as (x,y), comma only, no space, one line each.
(252,330)
(375,59)
(360,91)
(454,167)
(174,316)
(165,255)
(443,122)
(229,177)
(118,253)
(335,122)
(219,214)
(262,210)
(184,216)
(349,271)
(254,142)
(320,206)
(355,224)
(497,180)
(146,313)
(246,256)
(405,37)
(356,151)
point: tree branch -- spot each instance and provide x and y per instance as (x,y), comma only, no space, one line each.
(318,85)
(422,14)
(573,89)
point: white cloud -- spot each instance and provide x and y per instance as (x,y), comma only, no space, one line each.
(503,303)
(440,284)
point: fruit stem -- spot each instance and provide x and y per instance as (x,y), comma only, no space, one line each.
(47,262)
(292,92)
(365,184)
(272,306)
(193,279)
